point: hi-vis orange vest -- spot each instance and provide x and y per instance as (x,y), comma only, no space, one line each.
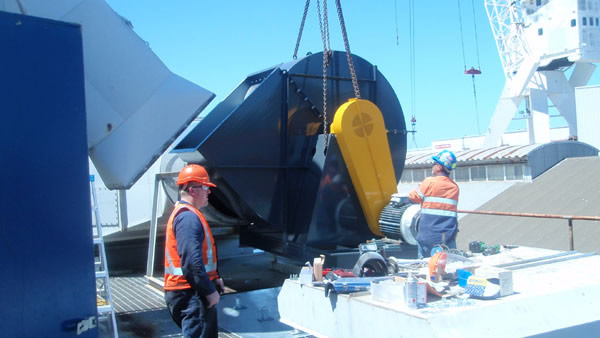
(438,196)
(174,279)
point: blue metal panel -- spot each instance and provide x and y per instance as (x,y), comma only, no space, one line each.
(48,282)
(337,217)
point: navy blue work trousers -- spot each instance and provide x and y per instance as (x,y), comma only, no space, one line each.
(424,249)
(189,312)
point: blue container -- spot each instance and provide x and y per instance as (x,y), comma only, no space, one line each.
(463,276)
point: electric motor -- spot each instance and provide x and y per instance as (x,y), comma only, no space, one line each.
(399,219)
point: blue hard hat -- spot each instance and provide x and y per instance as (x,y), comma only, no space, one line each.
(446,159)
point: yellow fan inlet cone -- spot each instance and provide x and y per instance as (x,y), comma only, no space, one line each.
(360,131)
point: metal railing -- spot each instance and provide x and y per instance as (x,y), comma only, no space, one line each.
(569,218)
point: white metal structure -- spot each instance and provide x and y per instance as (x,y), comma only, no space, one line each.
(135,105)
(538,40)
(548,299)
(588,107)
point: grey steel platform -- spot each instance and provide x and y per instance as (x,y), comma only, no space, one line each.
(253,312)
(141,312)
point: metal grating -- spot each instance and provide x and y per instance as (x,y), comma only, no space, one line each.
(134,294)
(141,312)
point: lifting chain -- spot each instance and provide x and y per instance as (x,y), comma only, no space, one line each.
(347,45)
(301,29)
(324,27)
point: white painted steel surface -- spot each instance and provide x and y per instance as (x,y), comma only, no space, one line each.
(547,298)
(135,106)
(544,30)
(252,314)
(537,41)
(588,108)
(122,210)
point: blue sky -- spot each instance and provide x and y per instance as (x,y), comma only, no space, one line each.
(216,44)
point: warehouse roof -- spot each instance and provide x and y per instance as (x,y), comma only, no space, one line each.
(538,157)
(510,153)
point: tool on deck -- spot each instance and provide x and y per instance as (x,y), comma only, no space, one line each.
(481,247)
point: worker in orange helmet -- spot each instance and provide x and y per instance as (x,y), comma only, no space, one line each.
(438,196)
(192,283)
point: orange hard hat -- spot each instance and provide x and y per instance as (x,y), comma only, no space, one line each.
(194,173)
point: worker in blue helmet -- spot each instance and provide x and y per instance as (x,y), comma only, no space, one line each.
(438,196)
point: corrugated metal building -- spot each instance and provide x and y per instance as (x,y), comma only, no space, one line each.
(504,163)
(521,179)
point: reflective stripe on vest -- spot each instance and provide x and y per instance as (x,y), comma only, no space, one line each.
(448,205)
(170,268)
(445,206)
(174,279)
(210,264)
(440,200)
(439,212)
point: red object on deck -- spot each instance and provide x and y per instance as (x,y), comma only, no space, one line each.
(473,71)
(339,272)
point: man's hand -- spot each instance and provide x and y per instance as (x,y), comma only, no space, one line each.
(220,286)
(213,299)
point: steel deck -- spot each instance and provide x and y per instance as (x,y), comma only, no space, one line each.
(557,299)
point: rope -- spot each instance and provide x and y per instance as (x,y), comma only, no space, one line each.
(478,66)
(348,54)
(465,59)
(476,109)
(396,16)
(301,29)
(411,23)
(21,8)
(462,40)
(411,29)
(476,41)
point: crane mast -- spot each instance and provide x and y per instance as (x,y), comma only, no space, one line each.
(537,41)
(507,25)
